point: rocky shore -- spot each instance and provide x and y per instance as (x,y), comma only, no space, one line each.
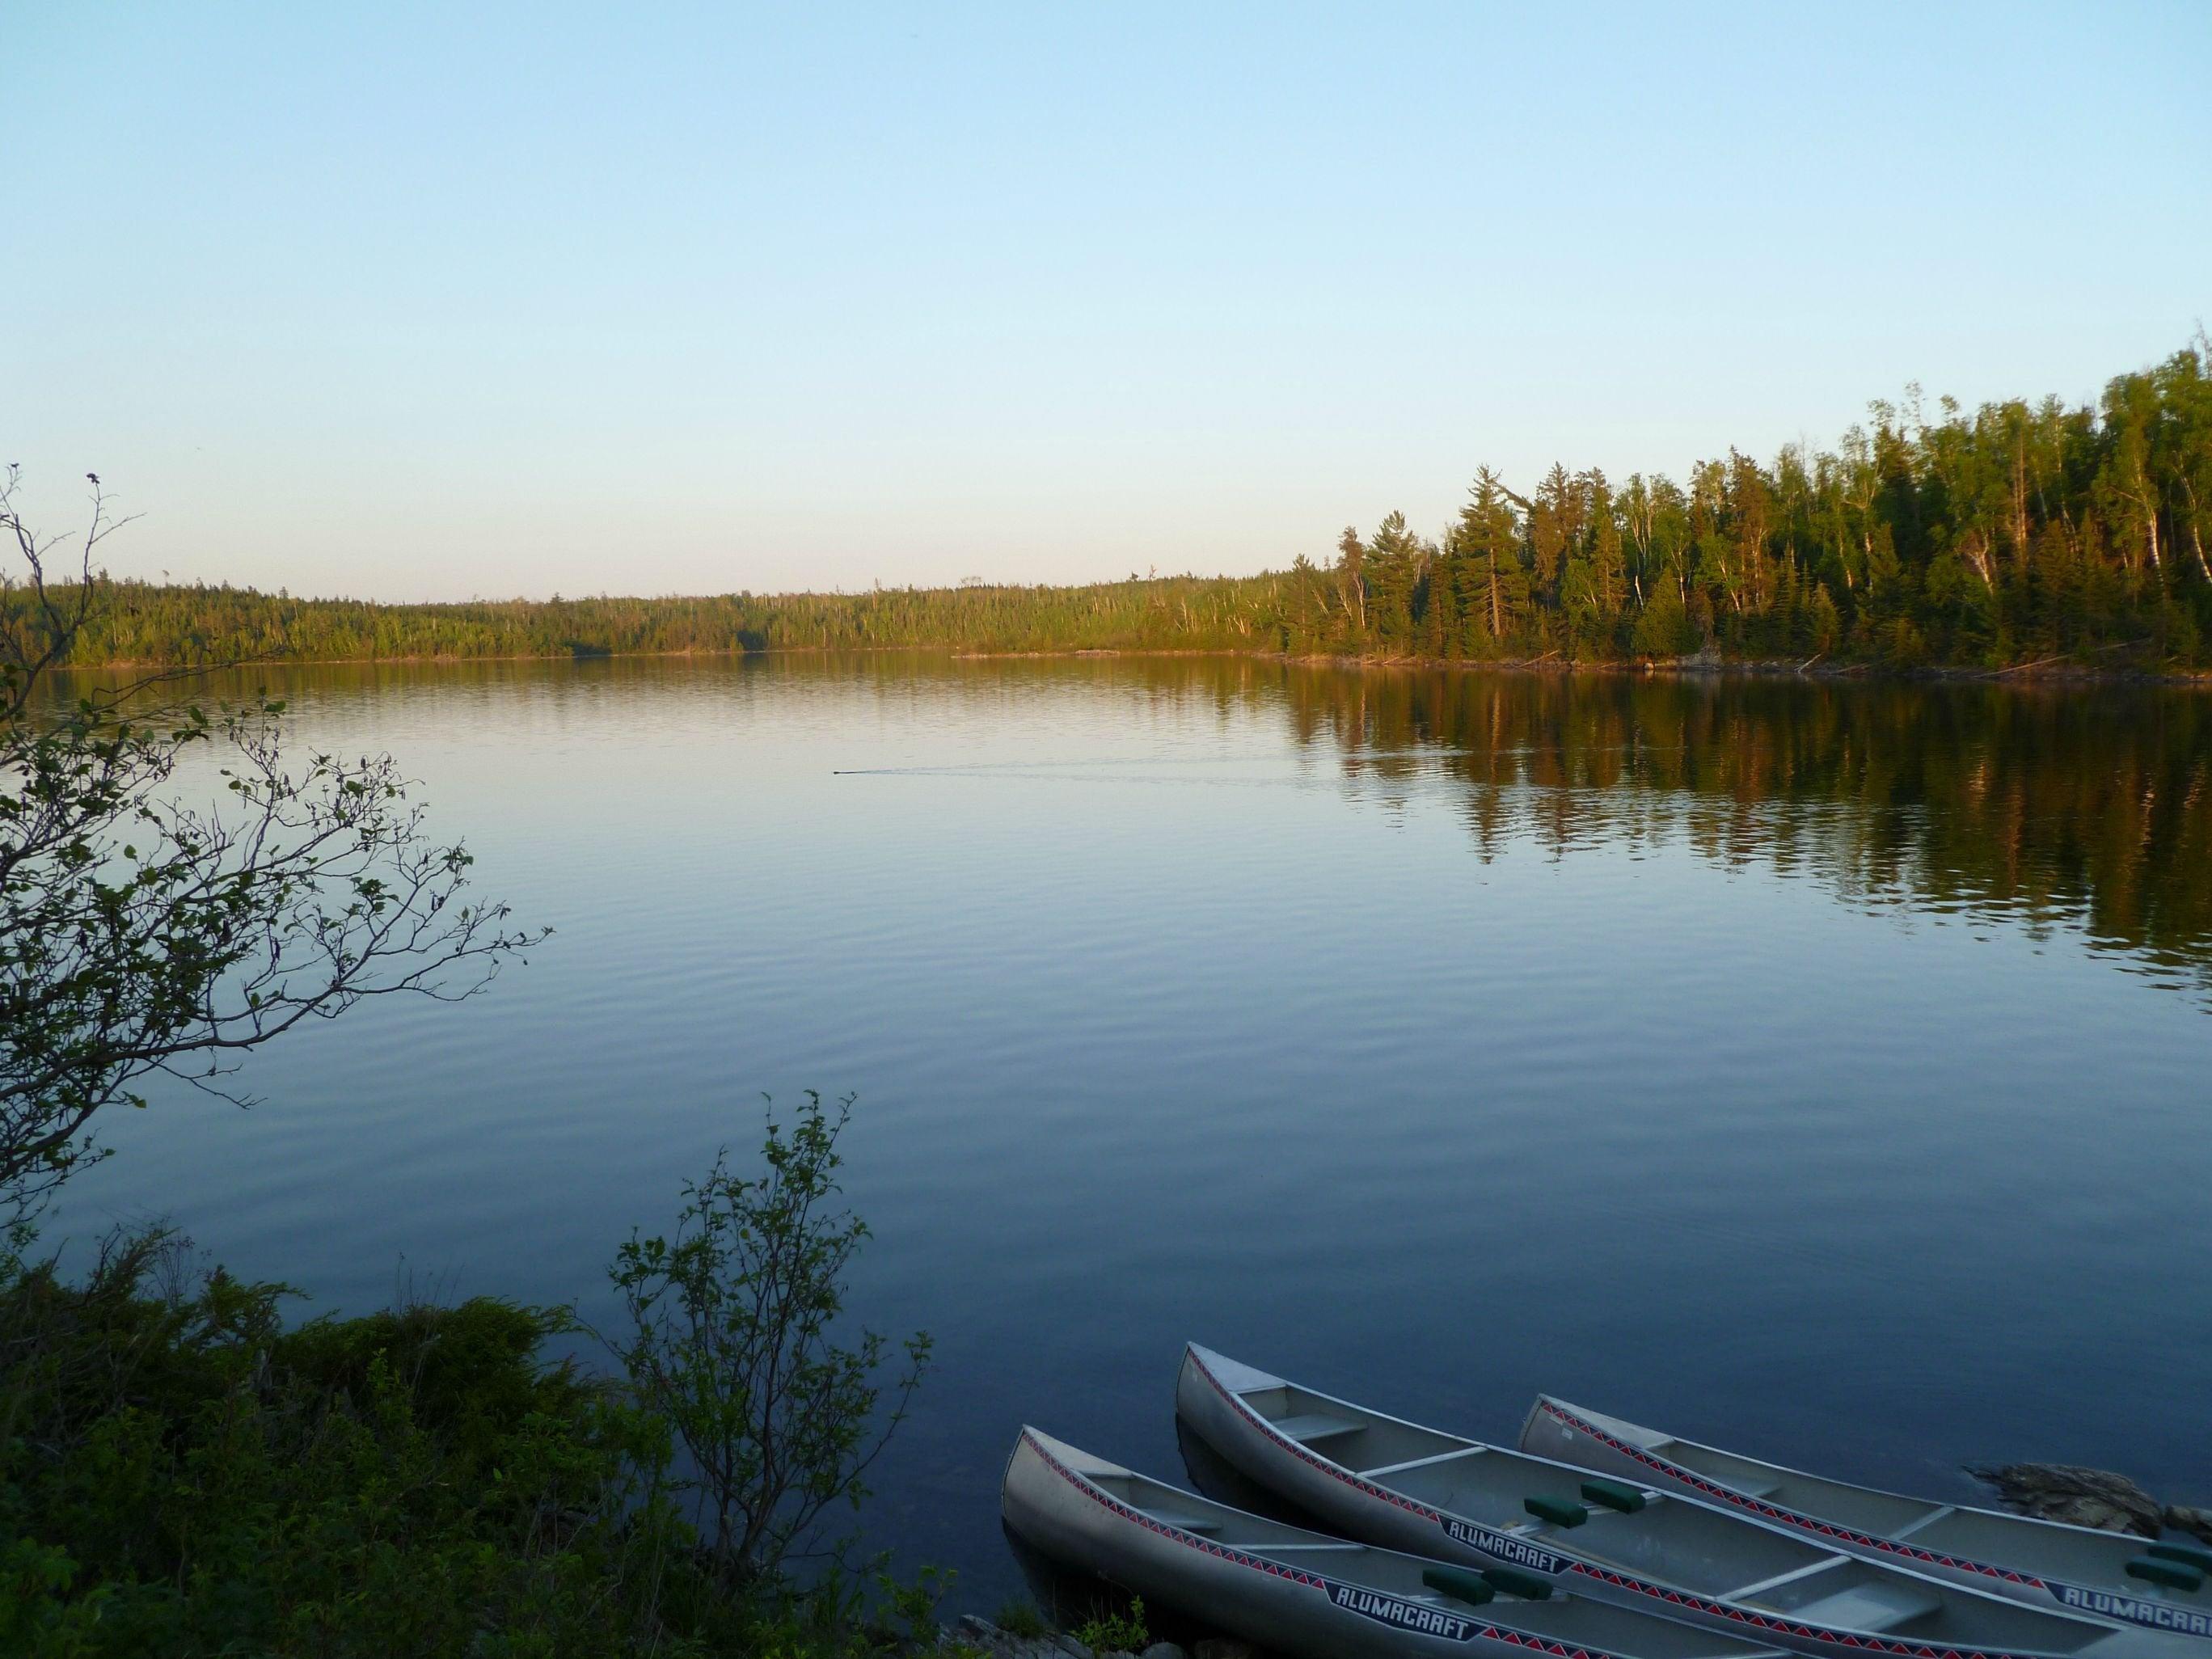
(2090,1497)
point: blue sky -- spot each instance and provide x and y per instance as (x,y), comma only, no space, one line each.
(398,302)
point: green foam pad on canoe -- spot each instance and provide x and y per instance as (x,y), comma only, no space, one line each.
(1459,1586)
(1613,1495)
(2172,1574)
(1514,1582)
(2189,1555)
(1558,1514)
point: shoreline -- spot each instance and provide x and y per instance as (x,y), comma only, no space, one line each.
(2045,672)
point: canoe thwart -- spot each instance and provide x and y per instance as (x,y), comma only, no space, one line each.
(1560,1514)
(1191,1523)
(1877,1607)
(1313,1425)
(1466,1587)
(2142,1589)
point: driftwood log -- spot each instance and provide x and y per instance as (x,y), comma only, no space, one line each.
(2088,1497)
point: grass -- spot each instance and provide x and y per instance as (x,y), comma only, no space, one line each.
(1021,1618)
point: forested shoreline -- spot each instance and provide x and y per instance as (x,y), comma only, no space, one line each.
(2015,535)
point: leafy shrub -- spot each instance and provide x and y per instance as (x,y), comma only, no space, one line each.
(1116,1632)
(181,1474)
(178,1474)
(733,1343)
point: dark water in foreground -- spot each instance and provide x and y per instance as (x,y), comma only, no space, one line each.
(1822,1072)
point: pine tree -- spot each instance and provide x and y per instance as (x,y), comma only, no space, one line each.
(1488,538)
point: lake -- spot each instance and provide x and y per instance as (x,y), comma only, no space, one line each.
(1817,1069)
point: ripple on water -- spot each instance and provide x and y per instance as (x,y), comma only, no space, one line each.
(1764,1061)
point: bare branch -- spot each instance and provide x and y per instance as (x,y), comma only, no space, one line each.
(139,935)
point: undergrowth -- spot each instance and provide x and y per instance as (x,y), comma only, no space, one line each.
(180,1473)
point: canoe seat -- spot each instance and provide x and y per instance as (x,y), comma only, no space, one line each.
(1614,1494)
(1197,1523)
(1459,1586)
(2189,1555)
(1511,1581)
(1558,1514)
(1313,1427)
(1877,1607)
(2174,1575)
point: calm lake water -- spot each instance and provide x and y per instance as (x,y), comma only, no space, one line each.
(1822,1071)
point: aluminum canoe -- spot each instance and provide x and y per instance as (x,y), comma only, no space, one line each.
(2162,1585)
(1395,1484)
(1301,1593)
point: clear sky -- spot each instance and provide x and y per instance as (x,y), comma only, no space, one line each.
(400,302)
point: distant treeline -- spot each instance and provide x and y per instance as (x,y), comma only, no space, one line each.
(2014,534)
(147,624)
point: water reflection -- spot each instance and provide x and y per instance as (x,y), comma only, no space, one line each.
(2083,809)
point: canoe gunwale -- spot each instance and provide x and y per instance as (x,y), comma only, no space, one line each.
(2086,1595)
(1755,1624)
(1476,1629)
(1715,1491)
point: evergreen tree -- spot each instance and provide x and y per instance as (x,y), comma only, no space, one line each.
(1487,537)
